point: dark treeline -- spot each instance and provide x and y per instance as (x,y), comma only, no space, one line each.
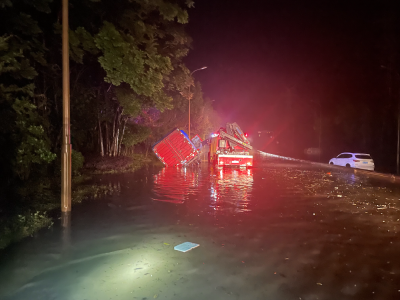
(129,86)
(347,94)
(339,84)
(305,70)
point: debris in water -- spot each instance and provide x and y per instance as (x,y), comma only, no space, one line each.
(187,246)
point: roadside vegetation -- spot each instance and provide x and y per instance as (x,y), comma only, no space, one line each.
(129,87)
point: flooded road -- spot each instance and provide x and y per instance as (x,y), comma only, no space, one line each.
(279,231)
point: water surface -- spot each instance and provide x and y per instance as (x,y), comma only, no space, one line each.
(282,230)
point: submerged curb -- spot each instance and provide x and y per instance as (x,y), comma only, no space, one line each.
(384,176)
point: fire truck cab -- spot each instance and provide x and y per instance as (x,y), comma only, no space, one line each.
(230,147)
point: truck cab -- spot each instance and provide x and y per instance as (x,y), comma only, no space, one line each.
(230,147)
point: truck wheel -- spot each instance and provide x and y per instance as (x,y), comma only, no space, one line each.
(347,165)
(331,163)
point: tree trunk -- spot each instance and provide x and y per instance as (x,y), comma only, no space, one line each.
(111,142)
(115,144)
(112,139)
(101,140)
(114,133)
(107,141)
(122,137)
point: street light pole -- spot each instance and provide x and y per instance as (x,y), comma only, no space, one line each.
(190,96)
(66,136)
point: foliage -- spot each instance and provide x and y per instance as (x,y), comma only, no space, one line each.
(123,62)
(22,226)
(127,77)
(33,145)
(91,192)
(129,101)
(136,48)
(23,128)
(204,118)
(77,161)
(136,134)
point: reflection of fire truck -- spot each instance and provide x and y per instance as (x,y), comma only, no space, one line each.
(231,189)
(230,147)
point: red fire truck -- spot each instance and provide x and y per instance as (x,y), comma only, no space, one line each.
(230,147)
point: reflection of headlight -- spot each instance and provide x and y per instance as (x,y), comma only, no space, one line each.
(221,162)
(249,163)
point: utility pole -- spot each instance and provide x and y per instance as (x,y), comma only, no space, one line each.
(66,134)
(191,97)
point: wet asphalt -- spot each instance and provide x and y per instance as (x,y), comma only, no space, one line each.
(281,230)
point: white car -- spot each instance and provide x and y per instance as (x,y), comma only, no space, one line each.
(354,160)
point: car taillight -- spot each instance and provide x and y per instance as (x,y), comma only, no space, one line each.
(356,160)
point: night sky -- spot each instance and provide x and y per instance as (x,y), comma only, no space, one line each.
(275,65)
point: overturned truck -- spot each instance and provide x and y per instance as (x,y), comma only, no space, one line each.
(227,147)
(176,149)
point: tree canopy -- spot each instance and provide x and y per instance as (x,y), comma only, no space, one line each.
(129,84)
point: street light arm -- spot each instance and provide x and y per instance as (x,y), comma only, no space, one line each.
(198,70)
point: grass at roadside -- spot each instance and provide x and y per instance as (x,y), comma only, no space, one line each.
(26,221)
(22,225)
(113,165)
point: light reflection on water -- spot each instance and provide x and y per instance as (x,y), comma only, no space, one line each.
(222,188)
(122,247)
(174,185)
(232,186)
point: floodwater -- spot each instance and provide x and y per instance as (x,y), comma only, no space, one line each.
(279,231)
